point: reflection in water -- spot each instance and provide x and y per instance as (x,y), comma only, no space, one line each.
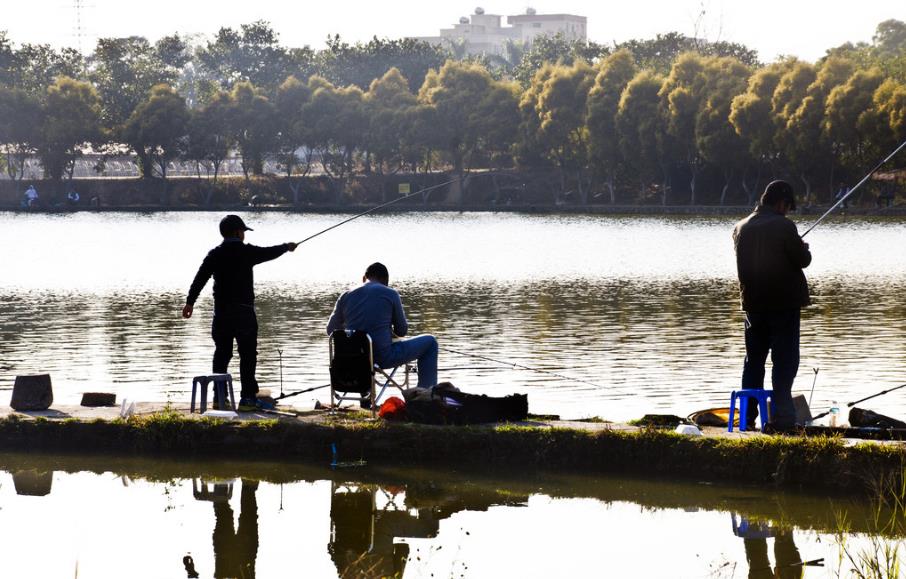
(33,483)
(363,535)
(645,307)
(410,523)
(235,550)
(787,561)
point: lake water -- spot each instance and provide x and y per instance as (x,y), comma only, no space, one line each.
(638,314)
(101,517)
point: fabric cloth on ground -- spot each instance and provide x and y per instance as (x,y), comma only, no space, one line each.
(445,404)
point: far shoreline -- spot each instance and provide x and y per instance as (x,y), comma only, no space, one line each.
(542,209)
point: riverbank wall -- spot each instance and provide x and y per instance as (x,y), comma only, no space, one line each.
(482,191)
(826,464)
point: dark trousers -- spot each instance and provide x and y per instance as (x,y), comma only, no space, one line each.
(237,323)
(777,332)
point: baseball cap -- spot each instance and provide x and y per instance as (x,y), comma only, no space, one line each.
(232,223)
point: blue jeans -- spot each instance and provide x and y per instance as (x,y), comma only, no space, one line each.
(422,348)
(777,332)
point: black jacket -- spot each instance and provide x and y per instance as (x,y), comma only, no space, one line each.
(231,264)
(770,257)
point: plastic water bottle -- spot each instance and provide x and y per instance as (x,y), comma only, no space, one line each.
(834,413)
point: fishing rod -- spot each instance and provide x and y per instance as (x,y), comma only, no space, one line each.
(381,206)
(523,367)
(853,190)
(851,404)
(291,394)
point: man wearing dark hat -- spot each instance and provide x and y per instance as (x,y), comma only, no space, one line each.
(770,257)
(231,263)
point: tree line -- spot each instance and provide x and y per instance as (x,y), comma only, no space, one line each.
(671,119)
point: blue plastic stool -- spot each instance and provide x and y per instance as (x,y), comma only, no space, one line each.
(743,397)
(223,391)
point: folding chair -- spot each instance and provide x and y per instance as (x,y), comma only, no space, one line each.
(353,373)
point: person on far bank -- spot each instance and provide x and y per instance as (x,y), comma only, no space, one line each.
(377,309)
(231,263)
(770,257)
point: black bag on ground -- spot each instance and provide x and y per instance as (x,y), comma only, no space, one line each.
(859,417)
(445,404)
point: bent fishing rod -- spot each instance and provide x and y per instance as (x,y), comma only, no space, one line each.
(381,206)
(853,190)
(851,404)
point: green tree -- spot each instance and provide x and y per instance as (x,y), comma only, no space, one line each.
(614,74)
(387,105)
(71,122)
(7,60)
(716,138)
(359,64)
(660,52)
(890,102)
(806,146)
(251,54)
(890,37)
(682,97)
(852,122)
(210,136)
(561,106)
(292,96)
(529,149)
(124,70)
(458,92)
(38,65)
(20,119)
(640,129)
(556,49)
(336,124)
(156,130)
(253,121)
(752,117)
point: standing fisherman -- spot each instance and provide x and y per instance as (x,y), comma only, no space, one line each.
(231,264)
(770,257)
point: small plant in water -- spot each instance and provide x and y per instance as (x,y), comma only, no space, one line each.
(881,558)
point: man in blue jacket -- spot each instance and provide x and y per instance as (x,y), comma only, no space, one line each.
(230,264)
(378,310)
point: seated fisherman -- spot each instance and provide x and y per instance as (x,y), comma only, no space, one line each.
(377,309)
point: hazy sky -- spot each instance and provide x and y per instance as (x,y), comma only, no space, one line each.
(797,27)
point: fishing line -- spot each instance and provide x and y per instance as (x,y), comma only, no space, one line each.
(853,190)
(381,206)
(531,369)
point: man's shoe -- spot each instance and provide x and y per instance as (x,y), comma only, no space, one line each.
(253,404)
(248,405)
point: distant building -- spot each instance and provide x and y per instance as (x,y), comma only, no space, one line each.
(483,33)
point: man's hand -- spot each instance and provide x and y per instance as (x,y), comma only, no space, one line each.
(291,246)
(187,311)
(805,245)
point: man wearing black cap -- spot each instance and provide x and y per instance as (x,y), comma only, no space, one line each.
(231,263)
(770,257)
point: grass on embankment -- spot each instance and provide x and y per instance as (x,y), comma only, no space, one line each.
(812,463)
